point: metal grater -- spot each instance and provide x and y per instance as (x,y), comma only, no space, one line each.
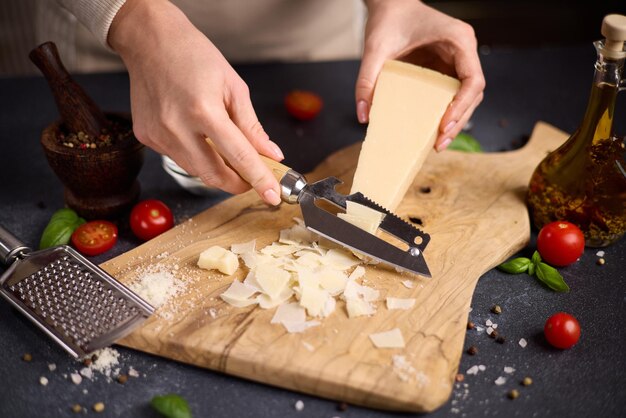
(76,303)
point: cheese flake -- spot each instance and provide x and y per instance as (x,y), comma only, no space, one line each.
(398,303)
(388,339)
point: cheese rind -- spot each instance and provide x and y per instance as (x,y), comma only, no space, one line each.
(407,107)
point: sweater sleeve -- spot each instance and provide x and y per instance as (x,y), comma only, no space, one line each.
(96,15)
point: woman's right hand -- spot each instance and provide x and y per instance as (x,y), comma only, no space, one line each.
(183,91)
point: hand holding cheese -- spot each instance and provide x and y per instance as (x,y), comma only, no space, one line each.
(408,104)
(416,33)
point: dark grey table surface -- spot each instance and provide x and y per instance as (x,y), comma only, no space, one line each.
(523,86)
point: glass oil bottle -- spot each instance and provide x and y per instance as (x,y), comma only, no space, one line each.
(584,180)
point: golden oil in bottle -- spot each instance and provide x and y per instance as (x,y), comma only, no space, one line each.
(584,180)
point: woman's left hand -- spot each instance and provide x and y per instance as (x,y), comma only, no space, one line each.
(411,31)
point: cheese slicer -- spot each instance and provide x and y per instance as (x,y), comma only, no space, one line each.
(296,189)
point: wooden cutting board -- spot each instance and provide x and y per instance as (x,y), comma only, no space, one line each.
(471,204)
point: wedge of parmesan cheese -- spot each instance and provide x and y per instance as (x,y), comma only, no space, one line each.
(388,339)
(218,258)
(407,107)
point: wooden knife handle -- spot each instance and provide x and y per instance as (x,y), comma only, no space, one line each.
(79,112)
(278,169)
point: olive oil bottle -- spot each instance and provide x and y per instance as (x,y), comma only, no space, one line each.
(584,180)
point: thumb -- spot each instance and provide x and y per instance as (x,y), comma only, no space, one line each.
(371,64)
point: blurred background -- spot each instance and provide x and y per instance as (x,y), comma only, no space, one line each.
(519,23)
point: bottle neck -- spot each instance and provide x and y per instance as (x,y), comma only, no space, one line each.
(598,121)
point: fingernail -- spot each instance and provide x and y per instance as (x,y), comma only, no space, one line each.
(449,126)
(444,144)
(271,197)
(361,111)
(277,152)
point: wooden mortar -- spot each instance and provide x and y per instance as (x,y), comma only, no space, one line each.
(100,182)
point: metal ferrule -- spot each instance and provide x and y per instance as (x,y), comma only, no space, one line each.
(291,185)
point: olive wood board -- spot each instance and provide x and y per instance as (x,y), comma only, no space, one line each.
(473,207)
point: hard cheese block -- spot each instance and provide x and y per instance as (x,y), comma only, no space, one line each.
(408,104)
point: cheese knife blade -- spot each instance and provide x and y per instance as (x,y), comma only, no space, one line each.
(295,189)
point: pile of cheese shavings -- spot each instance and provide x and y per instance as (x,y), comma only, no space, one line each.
(298,266)
(157,286)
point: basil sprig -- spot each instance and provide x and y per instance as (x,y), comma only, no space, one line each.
(546,274)
(466,143)
(60,228)
(171,406)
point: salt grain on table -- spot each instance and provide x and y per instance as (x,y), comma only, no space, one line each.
(508,369)
(76,378)
(500,381)
(299,406)
(523,342)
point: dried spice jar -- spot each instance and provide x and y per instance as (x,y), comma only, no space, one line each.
(584,180)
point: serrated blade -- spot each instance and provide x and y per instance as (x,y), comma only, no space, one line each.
(392,224)
(338,230)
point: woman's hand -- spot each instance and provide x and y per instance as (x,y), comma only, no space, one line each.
(183,91)
(414,32)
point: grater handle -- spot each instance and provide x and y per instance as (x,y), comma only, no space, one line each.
(10,247)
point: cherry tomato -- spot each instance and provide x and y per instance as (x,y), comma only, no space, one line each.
(562,330)
(560,243)
(150,218)
(95,237)
(303,105)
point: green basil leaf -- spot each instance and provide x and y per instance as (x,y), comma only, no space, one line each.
(515,266)
(60,228)
(551,277)
(466,143)
(536,259)
(171,406)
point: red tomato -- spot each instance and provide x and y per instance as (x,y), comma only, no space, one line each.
(303,105)
(150,218)
(95,237)
(560,243)
(562,330)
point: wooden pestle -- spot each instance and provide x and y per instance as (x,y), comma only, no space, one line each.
(79,113)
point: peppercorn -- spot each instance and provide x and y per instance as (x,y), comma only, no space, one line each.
(98,407)
(527,381)
(500,339)
(459,377)
(27,357)
(76,408)
(600,261)
(470,325)
(496,309)
(472,350)
(513,394)
(342,407)
(122,378)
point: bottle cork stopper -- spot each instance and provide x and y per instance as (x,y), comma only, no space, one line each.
(614,30)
